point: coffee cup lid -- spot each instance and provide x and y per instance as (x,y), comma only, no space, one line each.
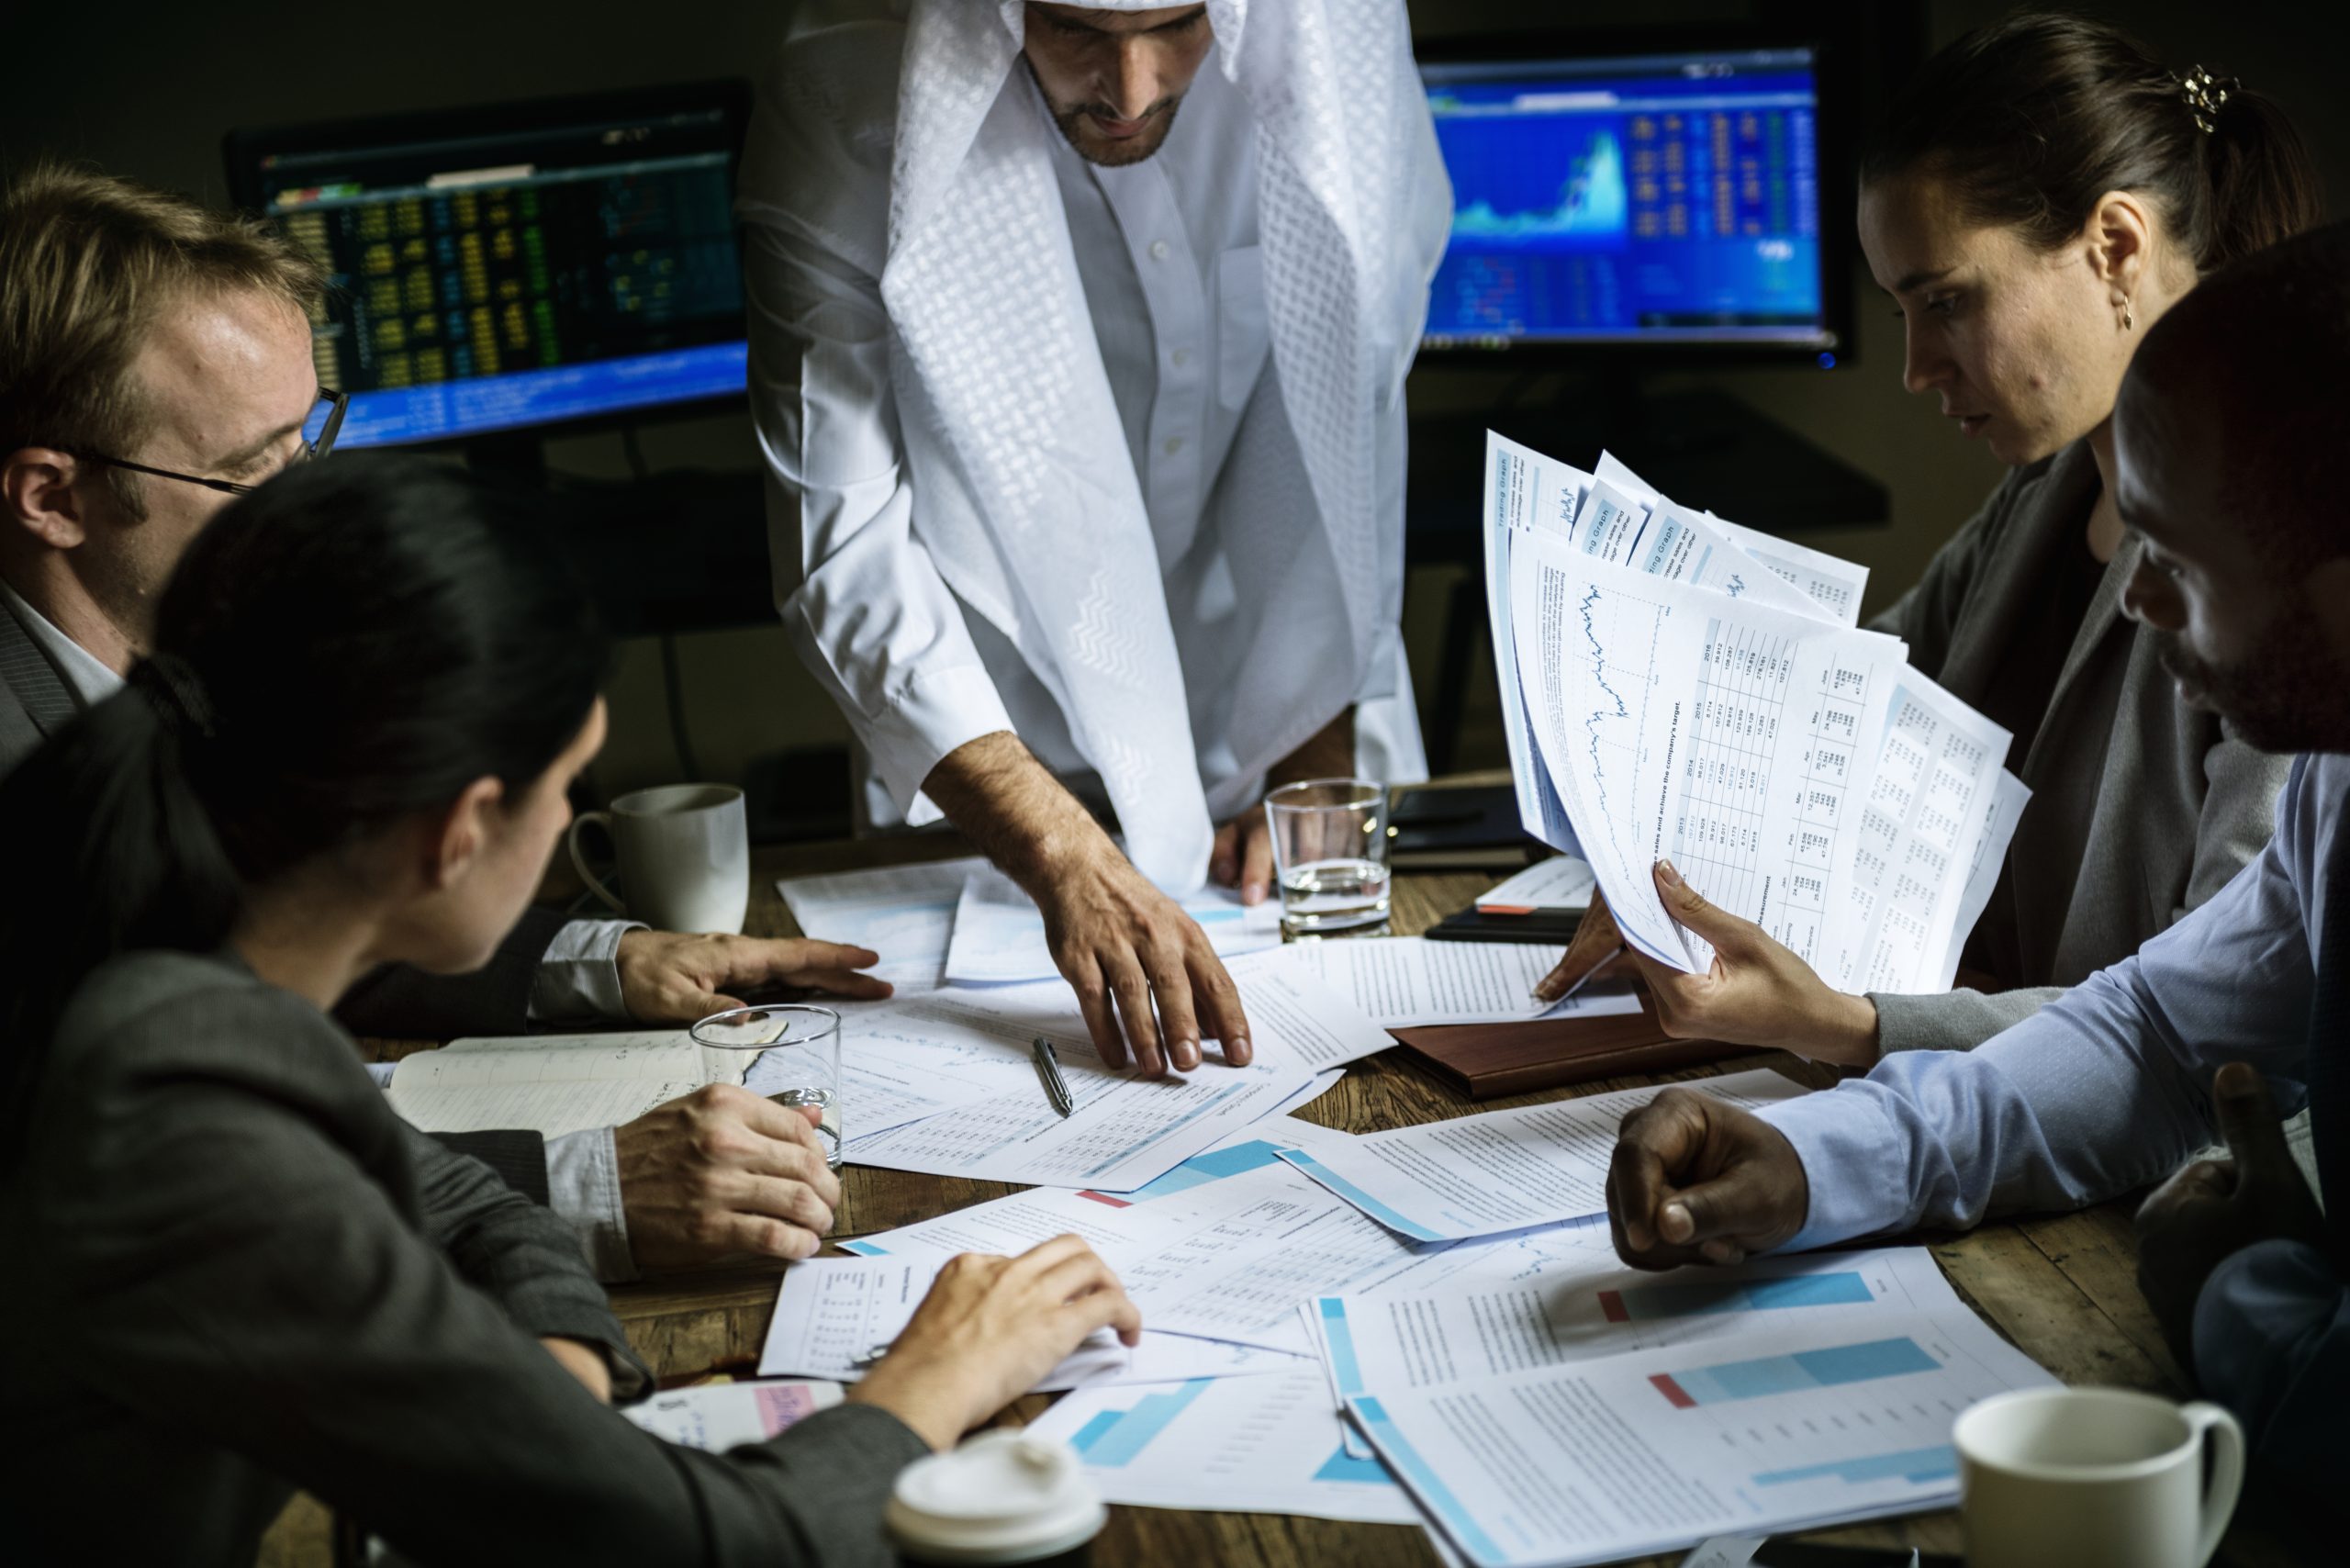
(1002,1496)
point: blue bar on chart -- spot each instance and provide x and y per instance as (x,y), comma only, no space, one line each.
(1645,1302)
(1115,1438)
(1838,1364)
(1919,1465)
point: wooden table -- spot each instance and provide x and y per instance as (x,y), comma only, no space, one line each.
(2063,1288)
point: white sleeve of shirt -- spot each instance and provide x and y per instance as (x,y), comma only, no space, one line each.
(863,600)
(580,974)
(579,977)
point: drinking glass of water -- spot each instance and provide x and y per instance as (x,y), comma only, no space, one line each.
(790,1052)
(1330,851)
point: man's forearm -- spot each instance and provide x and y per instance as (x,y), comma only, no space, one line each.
(1328,753)
(1011,808)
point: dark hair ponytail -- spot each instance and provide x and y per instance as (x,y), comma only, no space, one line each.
(355,643)
(2028,121)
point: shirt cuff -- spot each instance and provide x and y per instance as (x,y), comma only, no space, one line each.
(1852,1162)
(579,975)
(584,1189)
(2260,1304)
(929,718)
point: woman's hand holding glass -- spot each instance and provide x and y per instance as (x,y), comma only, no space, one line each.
(988,1329)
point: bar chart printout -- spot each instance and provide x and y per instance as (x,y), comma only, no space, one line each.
(1801,1426)
(1697,1298)
(1269,1444)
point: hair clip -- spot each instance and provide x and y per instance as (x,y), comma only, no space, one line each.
(2204,93)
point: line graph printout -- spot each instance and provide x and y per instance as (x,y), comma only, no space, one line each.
(1675,722)
(1796,1422)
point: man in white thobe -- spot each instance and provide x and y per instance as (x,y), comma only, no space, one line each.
(1078,334)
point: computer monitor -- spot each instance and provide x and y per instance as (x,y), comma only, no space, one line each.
(518,265)
(1666,198)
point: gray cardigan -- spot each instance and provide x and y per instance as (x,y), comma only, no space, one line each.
(2152,800)
(240,1274)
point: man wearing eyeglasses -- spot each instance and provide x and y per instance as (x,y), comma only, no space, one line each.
(156,362)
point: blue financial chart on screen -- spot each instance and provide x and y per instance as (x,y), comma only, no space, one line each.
(526,276)
(1659,197)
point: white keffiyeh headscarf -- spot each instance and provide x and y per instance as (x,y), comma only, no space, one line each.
(1027,497)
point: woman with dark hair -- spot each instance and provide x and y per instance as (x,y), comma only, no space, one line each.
(243,1274)
(2045,190)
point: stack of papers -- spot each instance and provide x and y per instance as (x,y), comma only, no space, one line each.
(1677,688)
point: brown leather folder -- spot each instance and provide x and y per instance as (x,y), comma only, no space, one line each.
(1486,1061)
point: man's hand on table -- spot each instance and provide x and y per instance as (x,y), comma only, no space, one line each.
(1696,1179)
(2213,1209)
(1149,983)
(1243,856)
(667,978)
(719,1172)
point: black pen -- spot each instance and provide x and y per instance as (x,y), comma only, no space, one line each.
(1048,1069)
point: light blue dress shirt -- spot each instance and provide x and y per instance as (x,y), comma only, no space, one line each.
(2106,1089)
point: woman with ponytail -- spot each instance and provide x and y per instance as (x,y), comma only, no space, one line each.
(240,1272)
(2045,189)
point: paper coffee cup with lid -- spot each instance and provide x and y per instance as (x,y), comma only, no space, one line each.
(1004,1496)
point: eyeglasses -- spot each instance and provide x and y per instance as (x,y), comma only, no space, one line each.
(317,437)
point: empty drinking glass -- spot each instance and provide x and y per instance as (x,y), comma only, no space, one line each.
(790,1052)
(1330,853)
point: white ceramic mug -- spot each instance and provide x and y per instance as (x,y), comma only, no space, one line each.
(2089,1477)
(685,856)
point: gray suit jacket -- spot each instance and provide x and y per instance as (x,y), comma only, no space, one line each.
(36,702)
(244,1274)
(2152,800)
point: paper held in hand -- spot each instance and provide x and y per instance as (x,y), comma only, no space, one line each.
(1676,688)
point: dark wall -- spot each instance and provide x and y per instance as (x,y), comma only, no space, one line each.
(148,89)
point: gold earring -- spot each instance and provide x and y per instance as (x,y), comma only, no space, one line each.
(2128,316)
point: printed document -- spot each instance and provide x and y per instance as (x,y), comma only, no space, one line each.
(833,1314)
(1502,1170)
(551,1083)
(1225,1247)
(1796,1422)
(1000,933)
(1404,982)
(1938,770)
(1260,1445)
(906,914)
(1562,882)
(1833,587)
(1678,724)
(1469,1329)
(719,1416)
(1795,771)
(1126,1129)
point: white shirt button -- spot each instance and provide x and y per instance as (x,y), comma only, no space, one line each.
(1181,358)
(1158,249)
(1174,444)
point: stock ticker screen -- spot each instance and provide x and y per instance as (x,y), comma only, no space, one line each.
(1651,198)
(523,277)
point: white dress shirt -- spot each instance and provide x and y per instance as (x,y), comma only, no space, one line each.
(578,979)
(1174,286)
